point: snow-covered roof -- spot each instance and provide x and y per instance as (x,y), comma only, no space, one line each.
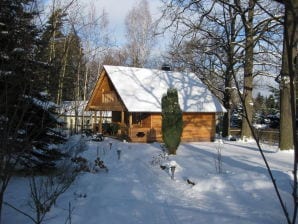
(141,89)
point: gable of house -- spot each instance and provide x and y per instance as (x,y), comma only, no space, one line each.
(104,96)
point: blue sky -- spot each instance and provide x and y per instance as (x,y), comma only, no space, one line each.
(117,11)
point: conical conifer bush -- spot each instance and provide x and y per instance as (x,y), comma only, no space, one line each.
(172,123)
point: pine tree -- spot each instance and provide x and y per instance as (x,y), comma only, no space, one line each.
(172,122)
(53,51)
(75,69)
(63,52)
(259,103)
(27,119)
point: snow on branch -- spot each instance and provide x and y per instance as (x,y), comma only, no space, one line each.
(45,105)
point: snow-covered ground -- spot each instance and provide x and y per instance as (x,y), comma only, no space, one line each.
(136,191)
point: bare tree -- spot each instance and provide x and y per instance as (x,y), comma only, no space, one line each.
(288,77)
(139,34)
(215,40)
(95,41)
(212,53)
(248,22)
(256,41)
(288,95)
(92,30)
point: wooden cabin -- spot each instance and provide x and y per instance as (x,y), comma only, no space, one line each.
(134,97)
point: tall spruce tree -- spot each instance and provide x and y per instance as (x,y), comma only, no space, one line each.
(54,48)
(75,69)
(27,119)
(63,52)
(172,122)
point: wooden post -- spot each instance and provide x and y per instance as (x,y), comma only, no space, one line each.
(94,121)
(122,117)
(130,120)
(100,122)
(130,125)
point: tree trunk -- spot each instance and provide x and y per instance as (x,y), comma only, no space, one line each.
(4,182)
(248,73)
(286,125)
(62,73)
(228,93)
(52,45)
(1,205)
(292,33)
(227,105)
(77,95)
(226,123)
(289,72)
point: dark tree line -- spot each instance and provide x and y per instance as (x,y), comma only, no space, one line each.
(29,83)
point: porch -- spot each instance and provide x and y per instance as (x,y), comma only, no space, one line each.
(135,127)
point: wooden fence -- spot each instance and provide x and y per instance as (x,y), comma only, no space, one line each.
(268,136)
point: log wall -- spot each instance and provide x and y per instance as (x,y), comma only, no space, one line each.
(197,127)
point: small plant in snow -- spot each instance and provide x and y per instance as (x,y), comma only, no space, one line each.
(45,190)
(218,158)
(70,211)
(160,159)
(99,165)
(81,164)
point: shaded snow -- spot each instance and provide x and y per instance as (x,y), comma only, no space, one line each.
(135,191)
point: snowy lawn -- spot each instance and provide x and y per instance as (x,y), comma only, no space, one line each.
(135,191)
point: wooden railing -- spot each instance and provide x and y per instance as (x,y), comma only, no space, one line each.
(143,134)
(109,97)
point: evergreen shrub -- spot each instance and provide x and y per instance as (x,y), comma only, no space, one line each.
(172,122)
